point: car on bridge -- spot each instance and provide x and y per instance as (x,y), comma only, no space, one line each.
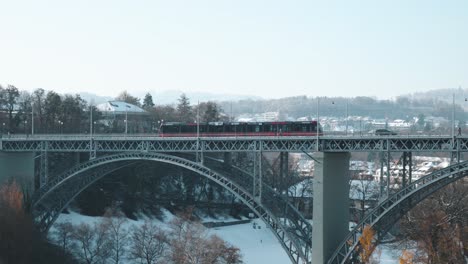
(383,132)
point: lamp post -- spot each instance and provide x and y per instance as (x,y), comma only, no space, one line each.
(360,125)
(32,118)
(94,127)
(453,115)
(61,126)
(126,118)
(25,124)
(347,116)
(160,123)
(90,121)
(318,123)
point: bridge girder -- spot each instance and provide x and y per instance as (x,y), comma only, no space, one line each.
(55,196)
(105,143)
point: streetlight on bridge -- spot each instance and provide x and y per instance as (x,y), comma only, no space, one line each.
(126,118)
(160,123)
(346,118)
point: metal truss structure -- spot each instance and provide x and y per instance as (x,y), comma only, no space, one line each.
(288,225)
(387,213)
(55,196)
(291,218)
(105,143)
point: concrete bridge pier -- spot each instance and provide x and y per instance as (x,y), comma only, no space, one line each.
(18,166)
(331,204)
(284,170)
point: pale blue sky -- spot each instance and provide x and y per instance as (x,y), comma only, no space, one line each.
(264,48)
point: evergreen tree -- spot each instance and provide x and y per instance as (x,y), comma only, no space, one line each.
(211,112)
(184,110)
(148,101)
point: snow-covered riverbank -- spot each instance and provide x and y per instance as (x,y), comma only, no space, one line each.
(257,245)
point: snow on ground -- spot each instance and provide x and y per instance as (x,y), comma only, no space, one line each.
(257,245)
(388,255)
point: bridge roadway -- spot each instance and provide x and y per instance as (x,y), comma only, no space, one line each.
(154,143)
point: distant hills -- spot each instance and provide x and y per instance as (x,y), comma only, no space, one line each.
(433,102)
(171,97)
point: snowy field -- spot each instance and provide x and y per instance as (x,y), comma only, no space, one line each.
(257,245)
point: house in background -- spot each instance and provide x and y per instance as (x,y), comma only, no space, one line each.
(119,117)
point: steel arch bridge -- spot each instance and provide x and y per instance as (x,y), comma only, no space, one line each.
(49,201)
(389,211)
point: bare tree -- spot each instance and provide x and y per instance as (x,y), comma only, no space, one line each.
(149,244)
(63,235)
(219,251)
(93,243)
(124,96)
(16,227)
(115,223)
(365,193)
(191,244)
(439,226)
(11,98)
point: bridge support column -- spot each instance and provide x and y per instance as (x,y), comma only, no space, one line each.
(284,167)
(331,204)
(384,161)
(407,161)
(257,176)
(43,169)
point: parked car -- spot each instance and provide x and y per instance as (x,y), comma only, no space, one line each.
(384,132)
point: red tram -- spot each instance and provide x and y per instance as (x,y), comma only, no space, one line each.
(240,129)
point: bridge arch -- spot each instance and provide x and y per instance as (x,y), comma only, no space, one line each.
(55,196)
(388,212)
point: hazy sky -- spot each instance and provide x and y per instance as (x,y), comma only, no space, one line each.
(266,48)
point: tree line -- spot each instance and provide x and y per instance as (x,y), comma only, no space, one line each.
(49,112)
(114,240)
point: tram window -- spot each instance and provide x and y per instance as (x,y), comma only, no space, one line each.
(188,129)
(171,129)
(202,128)
(216,129)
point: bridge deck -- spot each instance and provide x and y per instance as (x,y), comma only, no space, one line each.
(154,143)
